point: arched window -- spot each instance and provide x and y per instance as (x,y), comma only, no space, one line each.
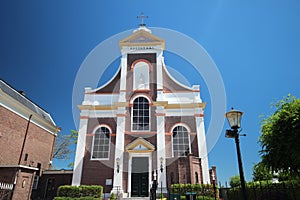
(101,143)
(181,143)
(196,177)
(141,76)
(141,114)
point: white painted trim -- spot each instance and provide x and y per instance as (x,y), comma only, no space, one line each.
(131,117)
(19,166)
(119,151)
(202,149)
(80,150)
(26,99)
(161,148)
(25,112)
(140,95)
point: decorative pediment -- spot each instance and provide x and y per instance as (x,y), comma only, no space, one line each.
(142,38)
(140,145)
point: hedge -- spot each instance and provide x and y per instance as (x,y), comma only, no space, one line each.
(80,198)
(83,192)
(199,198)
(267,189)
(207,190)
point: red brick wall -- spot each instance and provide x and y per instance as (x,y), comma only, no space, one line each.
(23,185)
(38,144)
(184,170)
(49,183)
(95,172)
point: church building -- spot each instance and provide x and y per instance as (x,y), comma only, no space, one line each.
(142,125)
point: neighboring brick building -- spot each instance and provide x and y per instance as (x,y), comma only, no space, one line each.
(49,183)
(141,125)
(27,137)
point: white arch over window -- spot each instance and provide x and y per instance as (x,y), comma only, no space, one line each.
(140,114)
(181,145)
(101,142)
(141,76)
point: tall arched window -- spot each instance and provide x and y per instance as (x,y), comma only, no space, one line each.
(141,76)
(141,114)
(181,142)
(101,143)
(196,177)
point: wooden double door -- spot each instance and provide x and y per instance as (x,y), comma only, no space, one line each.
(140,177)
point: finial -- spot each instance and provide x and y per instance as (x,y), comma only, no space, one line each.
(142,17)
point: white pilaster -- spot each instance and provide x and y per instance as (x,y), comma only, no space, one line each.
(161,151)
(202,148)
(122,96)
(159,66)
(77,172)
(119,151)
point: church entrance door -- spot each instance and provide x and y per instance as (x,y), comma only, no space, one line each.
(140,177)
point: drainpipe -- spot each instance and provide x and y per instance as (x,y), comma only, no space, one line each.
(20,158)
(24,140)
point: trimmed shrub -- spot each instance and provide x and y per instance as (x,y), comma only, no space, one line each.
(267,190)
(70,198)
(68,191)
(83,192)
(203,190)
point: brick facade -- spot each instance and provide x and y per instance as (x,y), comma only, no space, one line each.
(38,145)
(169,104)
(27,137)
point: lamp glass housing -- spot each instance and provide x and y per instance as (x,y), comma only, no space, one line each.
(234,118)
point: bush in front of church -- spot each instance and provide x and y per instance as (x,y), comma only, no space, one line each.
(83,192)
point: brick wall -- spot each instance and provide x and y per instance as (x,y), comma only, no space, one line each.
(38,144)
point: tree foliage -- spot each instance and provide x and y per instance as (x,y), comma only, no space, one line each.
(63,145)
(261,173)
(235,181)
(280,139)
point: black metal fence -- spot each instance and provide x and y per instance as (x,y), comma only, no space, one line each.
(264,191)
(5,191)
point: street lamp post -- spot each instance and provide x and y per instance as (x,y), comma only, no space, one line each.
(214,183)
(234,120)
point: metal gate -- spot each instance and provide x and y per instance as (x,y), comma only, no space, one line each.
(5,191)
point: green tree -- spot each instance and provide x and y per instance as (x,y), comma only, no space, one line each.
(235,181)
(63,145)
(261,172)
(280,139)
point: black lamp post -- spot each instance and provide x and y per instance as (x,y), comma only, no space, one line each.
(234,120)
(213,176)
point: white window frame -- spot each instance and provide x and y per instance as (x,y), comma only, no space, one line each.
(132,114)
(189,137)
(93,142)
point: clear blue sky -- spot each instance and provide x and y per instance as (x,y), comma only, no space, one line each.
(255,45)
